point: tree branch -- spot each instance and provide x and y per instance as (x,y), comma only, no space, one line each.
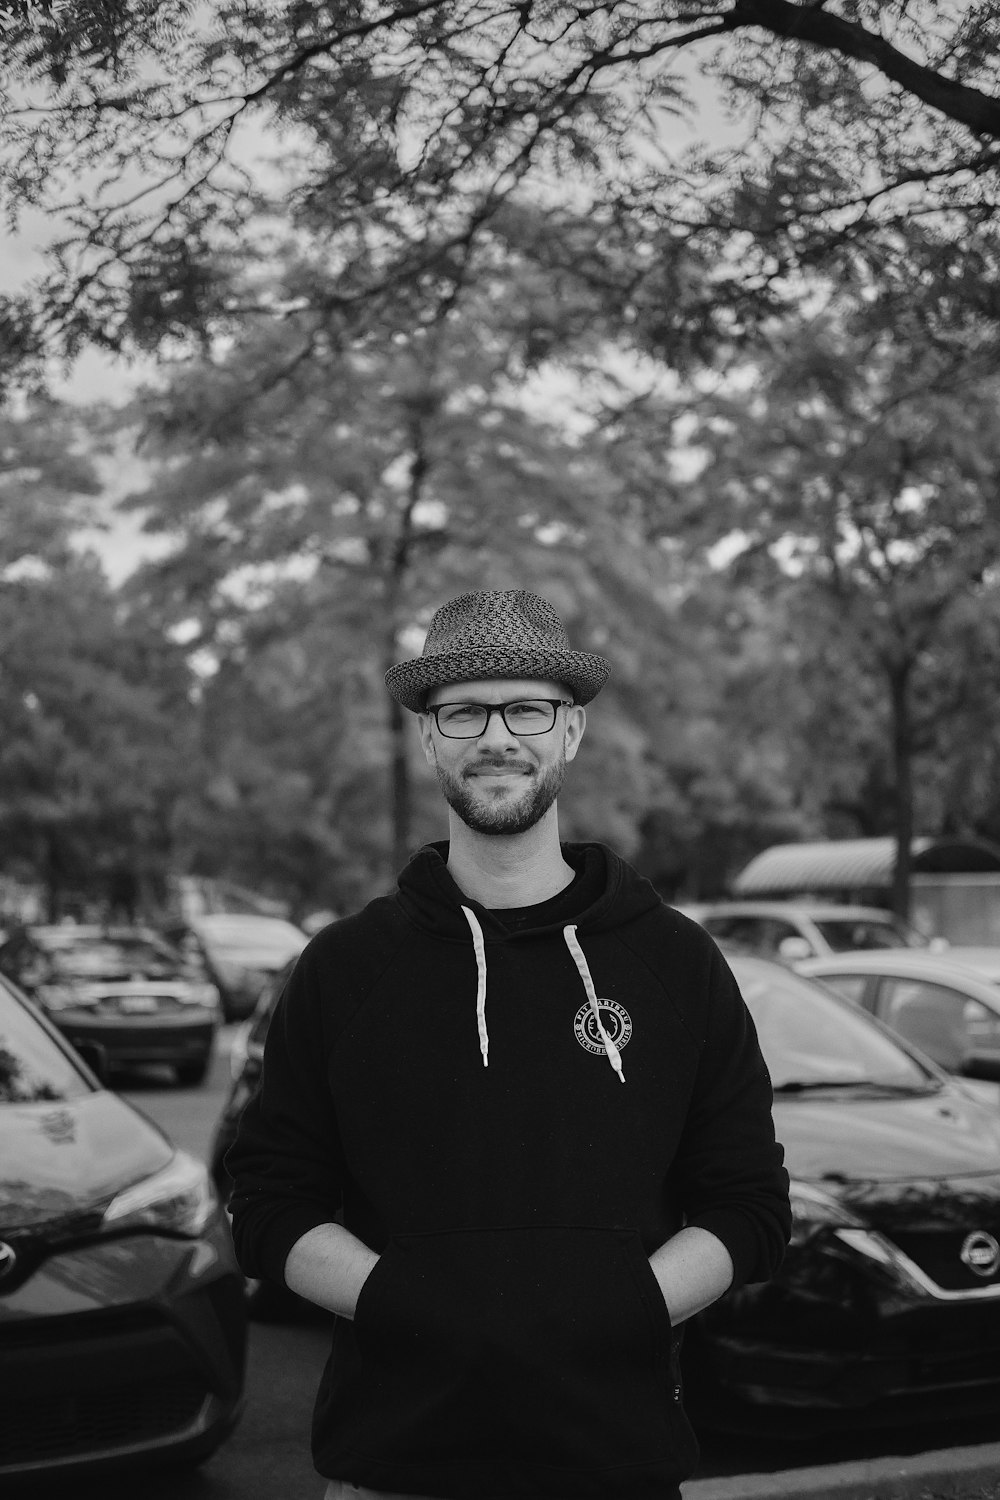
(812,24)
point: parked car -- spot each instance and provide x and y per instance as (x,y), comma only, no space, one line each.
(985,961)
(264,1300)
(887,1307)
(245,1057)
(800,929)
(122,1322)
(122,988)
(241,952)
(935,1001)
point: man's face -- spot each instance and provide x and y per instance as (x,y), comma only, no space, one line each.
(500,783)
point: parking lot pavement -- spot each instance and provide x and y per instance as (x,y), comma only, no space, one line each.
(971,1473)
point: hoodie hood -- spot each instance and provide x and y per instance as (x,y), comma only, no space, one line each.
(433,902)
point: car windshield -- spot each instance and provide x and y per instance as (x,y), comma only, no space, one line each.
(264,939)
(114,956)
(845,934)
(811,1040)
(32,1068)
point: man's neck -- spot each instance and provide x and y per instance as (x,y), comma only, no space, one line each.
(501,871)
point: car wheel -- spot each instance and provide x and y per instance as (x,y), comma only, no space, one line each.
(193,1072)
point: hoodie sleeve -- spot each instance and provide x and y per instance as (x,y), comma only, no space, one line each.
(286,1162)
(730,1167)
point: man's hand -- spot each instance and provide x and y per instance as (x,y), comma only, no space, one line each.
(329,1266)
(693,1270)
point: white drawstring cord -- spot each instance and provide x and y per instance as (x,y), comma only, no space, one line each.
(480,950)
(580,959)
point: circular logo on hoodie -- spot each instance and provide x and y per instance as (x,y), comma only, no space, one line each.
(614,1018)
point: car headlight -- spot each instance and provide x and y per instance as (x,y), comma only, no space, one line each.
(56,997)
(179,1199)
(205,995)
(813,1210)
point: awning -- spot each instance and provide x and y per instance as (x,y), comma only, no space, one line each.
(856,864)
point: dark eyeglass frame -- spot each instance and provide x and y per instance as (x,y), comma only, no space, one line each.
(501,709)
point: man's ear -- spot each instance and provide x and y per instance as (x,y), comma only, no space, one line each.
(576,723)
(425,724)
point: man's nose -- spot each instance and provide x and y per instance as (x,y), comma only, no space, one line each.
(496,732)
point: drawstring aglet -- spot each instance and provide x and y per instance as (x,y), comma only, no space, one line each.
(614,1058)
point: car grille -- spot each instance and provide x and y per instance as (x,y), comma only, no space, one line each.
(944,1371)
(95,1384)
(135,1412)
(137,1005)
(938,1254)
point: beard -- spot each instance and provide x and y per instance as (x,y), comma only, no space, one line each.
(501,811)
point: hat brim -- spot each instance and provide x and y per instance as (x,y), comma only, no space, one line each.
(409,682)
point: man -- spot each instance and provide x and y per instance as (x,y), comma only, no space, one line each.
(533,1096)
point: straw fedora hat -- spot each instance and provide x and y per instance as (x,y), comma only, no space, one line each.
(496,633)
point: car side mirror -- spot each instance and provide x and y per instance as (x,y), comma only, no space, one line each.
(792,949)
(96,1058)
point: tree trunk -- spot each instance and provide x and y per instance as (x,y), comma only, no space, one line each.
(902,763)
(400,785)
(400,791)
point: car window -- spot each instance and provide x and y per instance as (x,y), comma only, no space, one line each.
(116,956)
(763,934)
(851,986)
(948,1025)
(844,935)
(32,1067)
(809,1037)
(24,962)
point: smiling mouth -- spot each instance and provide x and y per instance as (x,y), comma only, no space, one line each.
(498,773)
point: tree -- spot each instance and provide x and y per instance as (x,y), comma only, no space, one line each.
(405,128)
(93,703)
(325,489)
(866,465)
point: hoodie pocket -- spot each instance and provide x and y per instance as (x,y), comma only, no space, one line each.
(550,1346)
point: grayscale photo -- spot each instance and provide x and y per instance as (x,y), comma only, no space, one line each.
(500,750)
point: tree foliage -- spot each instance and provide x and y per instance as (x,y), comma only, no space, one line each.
(401,131)
(865,462)
(348,486)
(92,700)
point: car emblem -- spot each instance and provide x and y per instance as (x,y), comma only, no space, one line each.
(980,1252)
(8,1259)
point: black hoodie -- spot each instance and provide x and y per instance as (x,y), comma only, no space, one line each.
(444,1084)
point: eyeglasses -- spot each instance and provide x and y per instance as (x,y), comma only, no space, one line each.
(467,721)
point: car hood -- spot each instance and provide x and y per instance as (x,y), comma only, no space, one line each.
(850,1137)
(59,1159)
(247,957)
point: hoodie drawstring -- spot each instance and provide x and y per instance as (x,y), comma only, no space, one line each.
(480,951)
(583,968)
